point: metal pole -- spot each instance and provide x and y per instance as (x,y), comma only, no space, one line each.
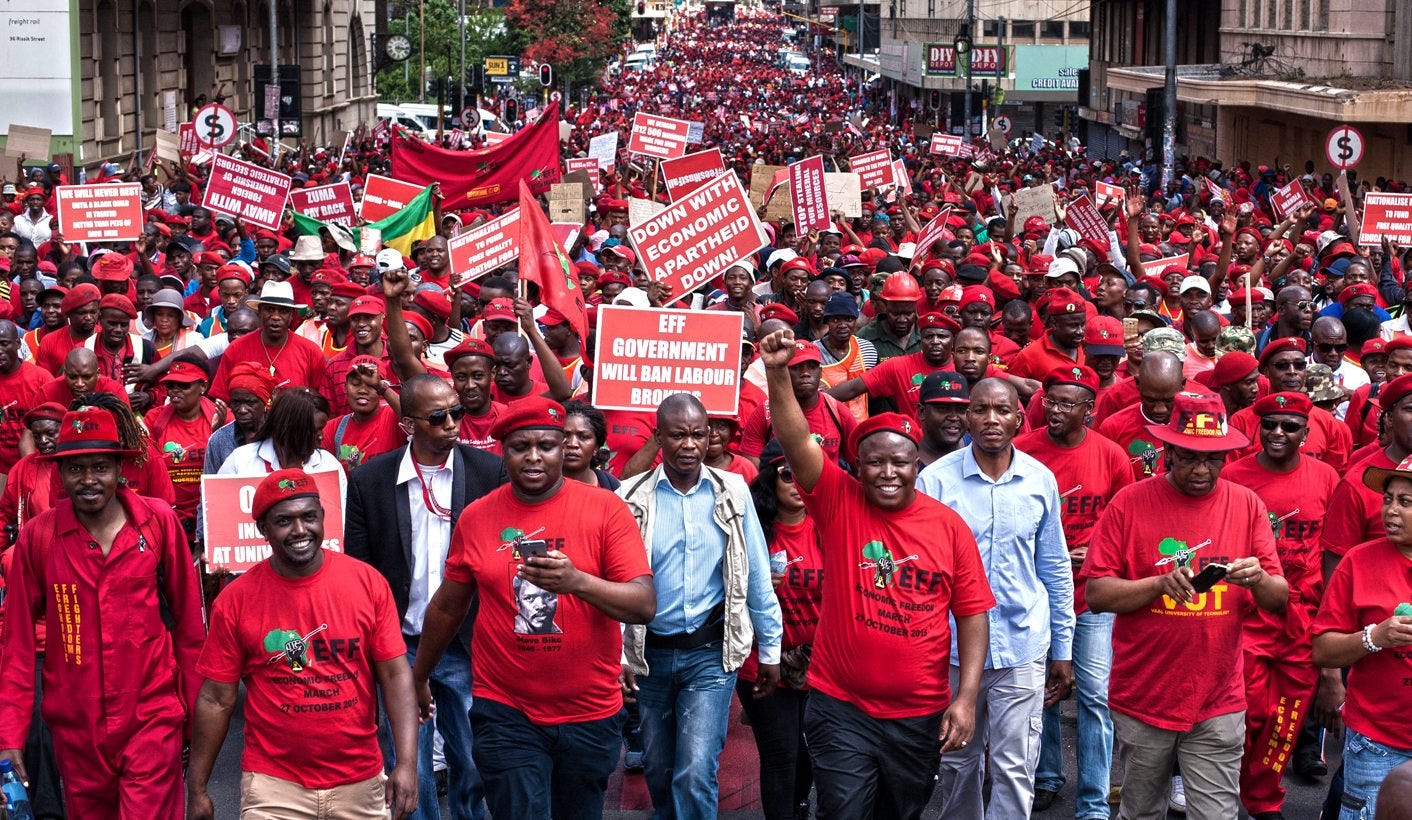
(461,82)
(422,52)
(861,70)
(407,64)
(971,27)
(1169,103)
(137,71)
(274,75)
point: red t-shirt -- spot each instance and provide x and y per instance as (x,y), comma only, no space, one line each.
(801,593)
(1361,418)
(1034,411)
(1175,665)
(751,397)
(306,649)
(628,431)
(1127,428)
(54,347)
(559,662)
(1296,504)
(361,440)
(1365,588)
(19,394)
(299,363)
(1328,439)
(183,447)
(1039,358)
(899,380)
(883,637)
(57,390)
(1355,512)
(1125,392)
(829,420)
(475,430)
(1088,475)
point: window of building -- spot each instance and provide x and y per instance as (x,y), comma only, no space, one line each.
(1242,13)
(1022,30)
(1271,13)
(1079,30)
(1321,15)
(355,57)
(328,50)
(1052,29)
(990,28)
(152,92)
(106,58)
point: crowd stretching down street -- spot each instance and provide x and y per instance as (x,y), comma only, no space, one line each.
(743,393)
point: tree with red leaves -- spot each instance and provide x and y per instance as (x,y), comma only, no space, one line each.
(576,37)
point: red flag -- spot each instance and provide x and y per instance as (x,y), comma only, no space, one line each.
(543,261)
(471,179)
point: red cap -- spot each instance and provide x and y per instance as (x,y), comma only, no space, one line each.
(623,252)
(797,263)
(81,294)
(281,486)
(552,318)
(418,321)
(1079,375)
(529,413)
(1199,423)
(88,431)
(882,423)
(469,347)
(940,320)
(185,373)
(1374,347)
(112,267)
(362,260)
(119,302)
(775,310)
(805,352)
(1360,289)
(1103,336)
(1296,404)
(1281,345)
(500,309)
(367,305)
(326,276)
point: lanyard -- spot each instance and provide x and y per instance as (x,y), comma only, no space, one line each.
(429,498)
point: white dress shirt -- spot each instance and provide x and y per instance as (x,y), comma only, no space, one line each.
(431,534)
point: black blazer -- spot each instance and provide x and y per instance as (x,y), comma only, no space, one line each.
(377,525)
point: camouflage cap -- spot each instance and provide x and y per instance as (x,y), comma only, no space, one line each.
(1164,338)
(1319,383)
(1235,337)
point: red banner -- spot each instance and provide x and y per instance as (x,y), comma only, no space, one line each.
(874,169)
(644,355)
(233,542)
(1386,215)
(931,232)
(899,175)
(480,250)
(254,194)
(945,144)
(1156,266)
(100,213)
(941,58)
(808,198)
(186,132)
(697,237)
(326,203)
(660,137)
(685,174)
(1290,198)
(470,179)
(384,196)
(1080,215)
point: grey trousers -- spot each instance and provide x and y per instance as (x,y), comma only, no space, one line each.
(1210,756)
(1009,721)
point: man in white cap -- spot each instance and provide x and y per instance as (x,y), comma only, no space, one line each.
(293,360)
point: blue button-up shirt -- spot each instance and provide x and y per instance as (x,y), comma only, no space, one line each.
(688,548)
(1015,520)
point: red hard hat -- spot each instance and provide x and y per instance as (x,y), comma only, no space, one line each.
(900,287)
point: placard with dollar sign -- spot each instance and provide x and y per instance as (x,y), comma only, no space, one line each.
(1344,147)
(215,125)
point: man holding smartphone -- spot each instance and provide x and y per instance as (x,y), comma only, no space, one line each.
(1177,687)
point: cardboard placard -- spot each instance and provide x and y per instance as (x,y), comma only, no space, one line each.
(477,251)
(659,137)
(641,210)
(29,142)
(326,203)
(874,169)
(845,193)
(808,198)
(1082,216)
(685,174)
(385,196)
(232,541)
(696,238)
(168,146)
(1156,266)
(100,213)
(948,145)
(241,189)
(604,148)
(761,176)
(1107,191)
(1037,201)
(568,202)
(1290,198)
(1386,215)
(644,355)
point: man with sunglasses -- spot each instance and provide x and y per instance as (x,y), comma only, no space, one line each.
(1177,684)
(1283,363)
(1294,313)
(1280,675)
(1330,348)
(1089,470)
(401,508)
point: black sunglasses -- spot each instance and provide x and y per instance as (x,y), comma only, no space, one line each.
(1331,347)
(1270,425)
(437,418)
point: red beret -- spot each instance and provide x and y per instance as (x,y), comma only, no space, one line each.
(775,310)
(469,347)
(1231,368)
(882,423)
(434,303)
(529,413)
(1399,343)
(1282,345)
(940,320)
(81,294)
(1004,287)
(119,302)
(973,294)
(1085,377)
(280,486)
(1063,300)
(1360,289)
(231,270)
(1395,389)
(1287,402)
(614,276)
(805,352)
(50,410)
(349,290)
(420,322)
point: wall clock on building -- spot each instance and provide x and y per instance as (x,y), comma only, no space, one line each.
(397,47)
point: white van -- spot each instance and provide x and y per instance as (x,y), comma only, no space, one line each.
(420,118)
(797,63)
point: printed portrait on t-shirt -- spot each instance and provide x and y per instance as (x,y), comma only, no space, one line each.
(535,609)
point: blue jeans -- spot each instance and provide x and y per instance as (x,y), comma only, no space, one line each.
(451,690)
(1366,764)
(1093,660)
(685,704)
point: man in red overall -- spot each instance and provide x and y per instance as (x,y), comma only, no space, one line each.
(109,573)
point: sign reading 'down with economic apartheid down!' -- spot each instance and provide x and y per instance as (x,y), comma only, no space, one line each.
(644,355)
(660,137)
(241,189)
(385,196)
(477,251)
(100,213)
(326,203)
(695,239)
(232,540)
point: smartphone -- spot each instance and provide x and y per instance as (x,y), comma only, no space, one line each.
(1204,580)
(1130,333)
(538,547)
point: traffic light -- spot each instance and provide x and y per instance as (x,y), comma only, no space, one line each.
(512,111)
(641,8)
(546,74)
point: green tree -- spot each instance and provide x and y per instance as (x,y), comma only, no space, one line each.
(486,34)
(576,37)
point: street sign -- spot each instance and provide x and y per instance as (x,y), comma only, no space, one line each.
(469,118)
(1344,147)
(555,96)
(215,125)
(502,69)
(1003,123)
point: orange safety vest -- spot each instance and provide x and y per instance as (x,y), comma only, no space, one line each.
(850,367)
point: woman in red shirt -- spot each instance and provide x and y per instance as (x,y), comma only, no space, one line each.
(796,567)
(1367,609)
(180,429)
(372,427)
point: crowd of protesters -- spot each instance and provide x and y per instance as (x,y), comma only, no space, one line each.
(1165,470)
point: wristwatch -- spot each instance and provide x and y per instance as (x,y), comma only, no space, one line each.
(1368,640)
